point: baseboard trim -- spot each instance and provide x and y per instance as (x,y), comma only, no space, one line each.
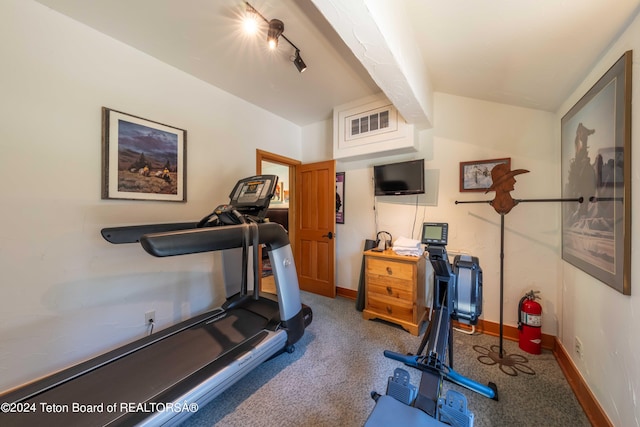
(347,293)
(592,409)
(585,397)
(508,332)
(587,400)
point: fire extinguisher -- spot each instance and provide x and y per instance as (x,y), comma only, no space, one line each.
(530,323)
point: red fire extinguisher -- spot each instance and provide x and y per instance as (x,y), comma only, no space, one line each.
(530,323)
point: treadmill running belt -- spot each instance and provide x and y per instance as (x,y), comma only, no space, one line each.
(146,373)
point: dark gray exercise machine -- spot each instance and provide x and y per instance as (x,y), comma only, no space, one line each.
(163,378)
(457,296)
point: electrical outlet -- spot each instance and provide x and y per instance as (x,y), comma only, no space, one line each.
(149,317)
(579,348)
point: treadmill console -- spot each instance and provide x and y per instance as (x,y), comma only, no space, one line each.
(252,195)
(249,199)
(435,233)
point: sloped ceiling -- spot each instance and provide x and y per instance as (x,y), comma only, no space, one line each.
(529,53)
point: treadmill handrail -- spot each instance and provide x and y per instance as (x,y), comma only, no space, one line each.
(132,233)
(211,239)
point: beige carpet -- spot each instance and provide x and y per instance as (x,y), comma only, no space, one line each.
(328,379)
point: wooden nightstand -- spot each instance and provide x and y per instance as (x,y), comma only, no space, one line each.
(395,289)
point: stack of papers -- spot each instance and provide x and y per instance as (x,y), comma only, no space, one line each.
(406,246)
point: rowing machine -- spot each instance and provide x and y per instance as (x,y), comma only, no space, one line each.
(457,296)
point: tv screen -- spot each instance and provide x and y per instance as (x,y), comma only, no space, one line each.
(397,179)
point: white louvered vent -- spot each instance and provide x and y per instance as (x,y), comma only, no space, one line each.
(370,123)
(370,126)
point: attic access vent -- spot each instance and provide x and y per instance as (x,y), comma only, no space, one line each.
(369,123)
(370,126)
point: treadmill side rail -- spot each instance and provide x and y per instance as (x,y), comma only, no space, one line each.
(213,386)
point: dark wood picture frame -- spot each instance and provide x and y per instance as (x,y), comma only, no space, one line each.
(596,165)
(475,176)
(142,159)
(340,182)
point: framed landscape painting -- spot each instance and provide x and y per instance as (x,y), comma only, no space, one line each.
(142,159)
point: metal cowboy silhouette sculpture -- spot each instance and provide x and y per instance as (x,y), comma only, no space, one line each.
(503,182)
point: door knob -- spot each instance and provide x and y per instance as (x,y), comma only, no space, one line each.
(329,235)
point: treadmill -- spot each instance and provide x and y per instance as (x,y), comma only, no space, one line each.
(165,377)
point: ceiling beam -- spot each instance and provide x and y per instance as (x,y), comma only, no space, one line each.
(380,36)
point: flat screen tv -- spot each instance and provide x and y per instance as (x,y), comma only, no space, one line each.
(396,179)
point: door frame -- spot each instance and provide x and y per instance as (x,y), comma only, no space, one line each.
(293,169)
(295,166)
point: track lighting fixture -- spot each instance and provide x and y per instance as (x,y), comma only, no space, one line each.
(299,63)
(276,28)
(274,32)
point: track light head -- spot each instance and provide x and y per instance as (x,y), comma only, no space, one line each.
(250,20)
(299,63)
(276,28)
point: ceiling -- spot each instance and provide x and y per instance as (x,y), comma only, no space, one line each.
(529,53)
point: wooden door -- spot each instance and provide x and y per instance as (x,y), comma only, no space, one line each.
(315,227)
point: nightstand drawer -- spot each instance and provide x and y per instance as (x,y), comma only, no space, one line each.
(384,268)
(398,309)
(390,281)
(399,289)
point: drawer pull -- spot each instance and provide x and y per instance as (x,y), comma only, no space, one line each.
(389,309)
(389,271)
(389,290)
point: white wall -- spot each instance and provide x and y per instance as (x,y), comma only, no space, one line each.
(467,129)
(605,320)
(317,145)
(66,293)
(574,303)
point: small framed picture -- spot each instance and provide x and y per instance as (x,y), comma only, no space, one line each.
(476,175)
(339,197)
(142,159)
